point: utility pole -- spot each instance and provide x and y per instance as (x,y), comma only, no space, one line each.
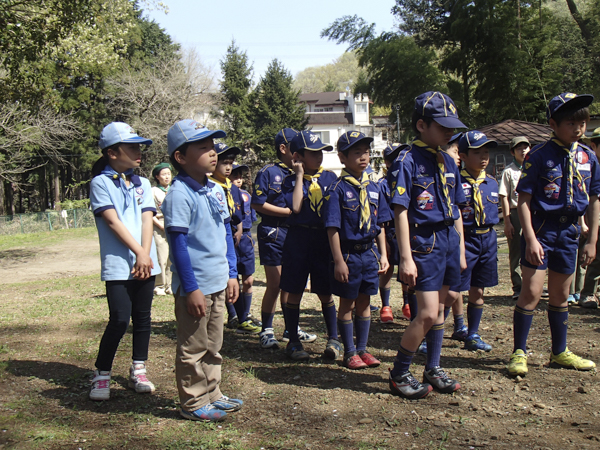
(397,108)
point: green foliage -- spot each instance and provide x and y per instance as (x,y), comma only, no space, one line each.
(336,76)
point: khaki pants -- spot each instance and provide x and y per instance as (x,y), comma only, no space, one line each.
(579,275)
(592,271)
(163,280)
(198,361)
(514,251)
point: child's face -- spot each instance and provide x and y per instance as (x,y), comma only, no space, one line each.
(237,178)
(358,158)
(477,159)
(434,134)
(223,169)
(128,157)
(286,154)
(164,177)
(595,147)
(569,130)
(200,158)
(520,151)
(452,150)
(310,160)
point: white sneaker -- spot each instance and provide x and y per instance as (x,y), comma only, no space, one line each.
(267,339)
(100,386)
(138,380)
(159,291)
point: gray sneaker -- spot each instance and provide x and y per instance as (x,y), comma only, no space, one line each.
(407,386)
(440,380)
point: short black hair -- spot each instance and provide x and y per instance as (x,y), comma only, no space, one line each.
(596,141)
(565,113)
(301,151)
(227,155)
(279,154)
(466,152)
(183,151)
(416,117)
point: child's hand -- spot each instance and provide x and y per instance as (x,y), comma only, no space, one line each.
(196,304)
(534,253)
(584,230)
(237,237)
(340,272)
(142,269)
(233,290)
(588,254)
(463,261)
(407,271)
(298,167)
(509,230)
(384,264)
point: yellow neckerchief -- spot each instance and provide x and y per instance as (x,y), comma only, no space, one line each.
(315,194)
(477,199)
(365,210)
(227,188)
(442,171)
(572,169)
(283,166)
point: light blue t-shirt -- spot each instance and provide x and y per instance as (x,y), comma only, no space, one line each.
(105,193)
(201,212)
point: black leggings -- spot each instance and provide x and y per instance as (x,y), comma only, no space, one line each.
(128,298)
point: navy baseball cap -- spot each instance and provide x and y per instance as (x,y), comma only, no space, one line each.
(284,136)
(237,166)
(223,148)
(474,139)
(392,151)
(117,132)
(351,138)
(573,101)
(440,108)
(308,141)
(455,138)
(189,130)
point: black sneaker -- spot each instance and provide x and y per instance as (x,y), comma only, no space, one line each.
(233,322)
(407,386)
(296,352)
(440,380)
(333,349)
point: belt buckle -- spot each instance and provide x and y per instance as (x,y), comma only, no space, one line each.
(357,247)
(563,219)
(448,222)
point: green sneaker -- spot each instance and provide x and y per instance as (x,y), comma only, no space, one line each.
(571,360)
(247,327)
(518,363)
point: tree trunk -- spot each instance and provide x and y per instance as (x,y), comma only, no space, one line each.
(56,188)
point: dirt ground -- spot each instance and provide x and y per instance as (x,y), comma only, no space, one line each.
(50,329)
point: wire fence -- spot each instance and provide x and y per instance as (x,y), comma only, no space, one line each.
(46,221)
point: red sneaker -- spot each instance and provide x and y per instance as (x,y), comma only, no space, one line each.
(369,359)
(354,362)
(406,311)
(386,315)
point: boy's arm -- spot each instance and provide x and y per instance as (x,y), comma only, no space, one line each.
(340,271)
(591,217)
(458,224)
(233,288)
(143,263)
(407,270)
(271,210)
(534,253)
(509,230)
(298,193)
(195,300)
(383,261)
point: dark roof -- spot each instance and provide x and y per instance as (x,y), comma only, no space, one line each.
(323,98)
(503,132)
(329,118)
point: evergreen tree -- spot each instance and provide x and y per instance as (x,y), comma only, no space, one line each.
(275,106)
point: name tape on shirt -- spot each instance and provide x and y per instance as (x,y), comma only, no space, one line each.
(374,195)
(585,167)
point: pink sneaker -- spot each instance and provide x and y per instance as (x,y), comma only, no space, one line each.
(138,380)
(100,386)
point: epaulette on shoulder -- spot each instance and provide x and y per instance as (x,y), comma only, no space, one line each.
(404,153)
(266,166)
(490,176)
(584,146)
(335,183)
(537,147)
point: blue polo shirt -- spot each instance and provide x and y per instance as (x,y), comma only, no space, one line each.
(342,210)
(416,185)
(267,188)
(201,212)
(307,216)
(248,214)
(105,193)
(544,176)
(489,196)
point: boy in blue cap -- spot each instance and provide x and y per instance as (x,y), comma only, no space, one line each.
(559,183)
(244,249)
(429,231)
(354,214)
(204,270)
(268,201)
(479,215)
(306,249)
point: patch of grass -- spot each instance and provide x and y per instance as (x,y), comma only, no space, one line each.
(47,238)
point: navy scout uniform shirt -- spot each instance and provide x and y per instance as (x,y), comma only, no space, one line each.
(248,214)
(489,195)
(416,185)
(307,216)
(545,177)
(267,189)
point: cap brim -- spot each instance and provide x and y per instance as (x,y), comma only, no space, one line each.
(241,166)
(137,140)
(363,139)
(449,122)
(581,101)
(520,141)
(325,148)
(215,134)
(234,150)
(455,138)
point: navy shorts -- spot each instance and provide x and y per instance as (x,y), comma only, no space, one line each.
(306,252)
(481,251)
(560,241)
(270,244)
(245,254)
(363,274)
(392,247)
(436,253)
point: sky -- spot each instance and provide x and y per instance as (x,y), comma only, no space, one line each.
(266,29)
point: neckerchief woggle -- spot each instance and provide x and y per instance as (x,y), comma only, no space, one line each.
(365,210)
(315,194)
(439,157)
(477,198)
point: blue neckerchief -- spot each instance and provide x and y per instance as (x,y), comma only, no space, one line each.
(206,191)
(119,181)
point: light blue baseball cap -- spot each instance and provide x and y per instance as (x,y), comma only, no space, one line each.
(117,132)
(189,130)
